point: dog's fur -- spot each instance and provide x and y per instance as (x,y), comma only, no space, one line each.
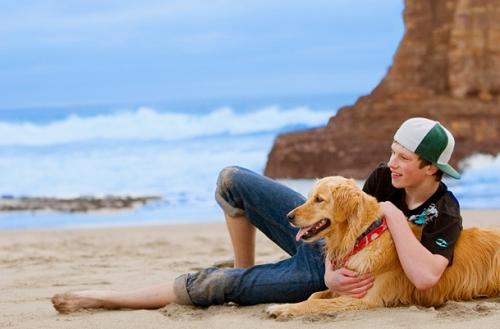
(475,271)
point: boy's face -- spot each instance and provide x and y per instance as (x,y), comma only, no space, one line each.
(405,171)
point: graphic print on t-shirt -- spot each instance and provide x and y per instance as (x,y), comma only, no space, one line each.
(427,216)
(442,243)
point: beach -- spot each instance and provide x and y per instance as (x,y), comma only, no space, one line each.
(35,264)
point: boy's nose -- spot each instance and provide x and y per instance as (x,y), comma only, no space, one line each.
(391,163)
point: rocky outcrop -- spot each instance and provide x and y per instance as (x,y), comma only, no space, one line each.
(447,68)
(71,205)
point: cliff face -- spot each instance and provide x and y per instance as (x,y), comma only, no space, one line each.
(447,68)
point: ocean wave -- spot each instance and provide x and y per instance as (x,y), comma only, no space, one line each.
(146,124)
(481,163)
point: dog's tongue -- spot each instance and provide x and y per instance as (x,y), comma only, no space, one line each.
(301,233)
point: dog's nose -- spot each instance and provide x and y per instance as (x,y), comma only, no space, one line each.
(290,216)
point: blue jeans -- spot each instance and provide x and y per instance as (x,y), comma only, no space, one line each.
(265,203)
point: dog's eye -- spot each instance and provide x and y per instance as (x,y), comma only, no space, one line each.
(318,199)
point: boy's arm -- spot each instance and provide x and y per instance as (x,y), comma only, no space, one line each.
(423,268)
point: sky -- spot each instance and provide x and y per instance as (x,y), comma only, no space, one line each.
(77,52)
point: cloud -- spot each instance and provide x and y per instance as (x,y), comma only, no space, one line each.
(90,22)
(46,15)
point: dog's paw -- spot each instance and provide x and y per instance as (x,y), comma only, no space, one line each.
(280,311)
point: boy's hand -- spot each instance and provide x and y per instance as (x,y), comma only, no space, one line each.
(390,211)
(346,282)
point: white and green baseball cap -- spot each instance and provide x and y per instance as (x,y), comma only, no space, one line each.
(430,140)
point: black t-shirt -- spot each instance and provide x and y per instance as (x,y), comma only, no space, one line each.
(439,215)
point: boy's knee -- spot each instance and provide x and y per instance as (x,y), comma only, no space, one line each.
(226,177)
(224,193)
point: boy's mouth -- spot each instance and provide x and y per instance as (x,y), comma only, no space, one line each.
(395,174)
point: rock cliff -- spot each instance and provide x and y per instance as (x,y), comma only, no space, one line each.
(447,68)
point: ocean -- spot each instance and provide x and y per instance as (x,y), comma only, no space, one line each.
(174,150)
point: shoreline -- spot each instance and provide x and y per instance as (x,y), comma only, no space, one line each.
(471,217)
(37,263)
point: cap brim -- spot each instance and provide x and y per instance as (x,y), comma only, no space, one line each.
(448,170)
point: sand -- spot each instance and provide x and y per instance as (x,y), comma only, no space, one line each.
(34,265)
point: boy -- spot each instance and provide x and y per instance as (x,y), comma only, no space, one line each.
(409,187)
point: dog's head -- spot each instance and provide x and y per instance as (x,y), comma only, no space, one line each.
(332,203)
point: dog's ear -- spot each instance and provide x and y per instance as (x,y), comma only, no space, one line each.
(346,198)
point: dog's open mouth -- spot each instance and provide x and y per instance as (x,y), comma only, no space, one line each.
(310,231)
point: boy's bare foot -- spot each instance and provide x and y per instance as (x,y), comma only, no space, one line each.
(76,301)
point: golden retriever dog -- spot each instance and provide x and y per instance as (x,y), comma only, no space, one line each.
(338,211)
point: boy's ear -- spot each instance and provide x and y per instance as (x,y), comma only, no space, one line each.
(431,169)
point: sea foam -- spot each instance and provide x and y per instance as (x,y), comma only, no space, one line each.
(146,124)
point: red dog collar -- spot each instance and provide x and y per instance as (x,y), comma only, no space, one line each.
(372,233)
